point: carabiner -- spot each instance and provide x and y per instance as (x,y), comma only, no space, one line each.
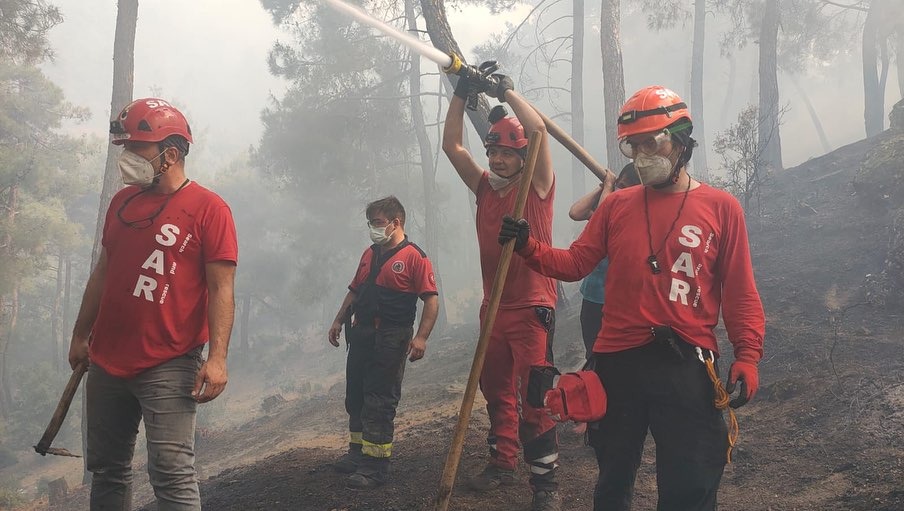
(699,350)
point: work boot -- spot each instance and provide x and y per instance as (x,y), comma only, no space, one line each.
(545,500)
(359,481)
(490,478)
(371,473)
(349,461)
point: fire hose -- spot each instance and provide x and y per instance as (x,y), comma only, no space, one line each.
(453,64)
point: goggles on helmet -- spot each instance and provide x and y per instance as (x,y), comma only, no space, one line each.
(633,146)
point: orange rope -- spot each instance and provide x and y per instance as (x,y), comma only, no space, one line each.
(721,403)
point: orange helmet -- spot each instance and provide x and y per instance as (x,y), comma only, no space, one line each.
(505,131)
(650,109)
(149,120)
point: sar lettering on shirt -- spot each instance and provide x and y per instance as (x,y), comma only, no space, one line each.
(405,274)
(523,286)
(705,269)
(154,302)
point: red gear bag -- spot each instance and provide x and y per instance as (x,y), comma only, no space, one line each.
(578,397)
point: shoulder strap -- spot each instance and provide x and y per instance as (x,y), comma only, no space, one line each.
(377,262)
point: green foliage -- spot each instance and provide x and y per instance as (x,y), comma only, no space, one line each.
(810,35)
(742,159)
(37,393)
(36,177)
(41,183)
(665,14)
(23,30)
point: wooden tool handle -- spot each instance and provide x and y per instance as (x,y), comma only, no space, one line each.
(61,410)
(464,414)
(574,148)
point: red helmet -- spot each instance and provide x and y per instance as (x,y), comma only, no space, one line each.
(506,132)
(650,109)
(149,120)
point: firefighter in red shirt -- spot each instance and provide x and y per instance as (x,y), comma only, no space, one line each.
(678,255)
(162,289)
(379,311)
(522,334)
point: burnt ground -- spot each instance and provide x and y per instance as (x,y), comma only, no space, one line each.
(826,431)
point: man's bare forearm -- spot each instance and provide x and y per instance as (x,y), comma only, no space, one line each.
(343,309)
(220,310)
(428,316)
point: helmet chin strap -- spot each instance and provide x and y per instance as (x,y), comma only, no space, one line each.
(164,166)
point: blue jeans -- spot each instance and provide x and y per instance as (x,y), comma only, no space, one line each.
(162,397)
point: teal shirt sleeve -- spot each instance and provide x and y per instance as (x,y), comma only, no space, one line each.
(593,284)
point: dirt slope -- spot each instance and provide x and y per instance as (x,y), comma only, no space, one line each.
(826,431)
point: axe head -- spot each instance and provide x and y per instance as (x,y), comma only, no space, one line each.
(56,451)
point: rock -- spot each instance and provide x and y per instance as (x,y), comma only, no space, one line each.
(896,116)
(58,491)
(272,403)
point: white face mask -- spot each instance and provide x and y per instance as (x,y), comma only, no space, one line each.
(378,235)
(135,170)
(653,170)
(498,182)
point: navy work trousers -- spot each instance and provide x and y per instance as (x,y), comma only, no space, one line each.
(653,388)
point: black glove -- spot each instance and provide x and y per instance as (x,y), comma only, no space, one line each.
(518,230)
(748,375)
(465,87)
(502,83)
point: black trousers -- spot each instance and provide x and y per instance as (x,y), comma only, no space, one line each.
(591,322)
(651,388)
(374,371)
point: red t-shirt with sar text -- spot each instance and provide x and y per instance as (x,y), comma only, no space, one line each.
(704,261)
(154,303)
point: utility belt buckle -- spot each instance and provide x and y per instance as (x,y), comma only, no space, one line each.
(668,341)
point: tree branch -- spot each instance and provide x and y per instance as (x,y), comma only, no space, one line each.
(856,7)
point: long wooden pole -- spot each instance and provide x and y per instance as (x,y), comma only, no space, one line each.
(574,148)
(467,403)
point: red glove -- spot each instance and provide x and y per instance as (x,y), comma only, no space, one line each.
(749,376)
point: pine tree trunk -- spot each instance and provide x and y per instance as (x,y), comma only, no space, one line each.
(67,304)
(123,78)
(697,60)
(428,170)
(9,331)
(613,79)
(5,395)
(577,97)
(434,12)
(769,139)
(872,95)
(56,317)
(899,58)
(9,302)
(729,91)
(814,116)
